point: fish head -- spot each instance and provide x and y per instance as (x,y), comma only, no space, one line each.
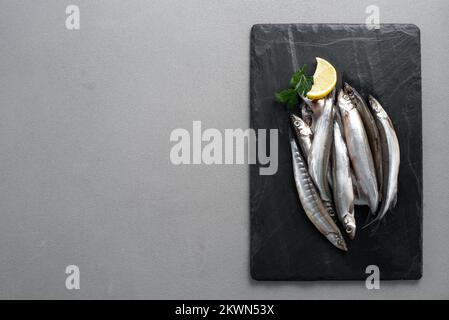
(337,240)
(300,125)
(350,91)
(350,226)
(306,114)
(376,107)
(344,102)
(353,94)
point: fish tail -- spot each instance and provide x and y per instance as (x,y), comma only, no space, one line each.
(377,220)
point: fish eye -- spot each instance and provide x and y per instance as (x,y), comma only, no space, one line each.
(346,97)
(296,123)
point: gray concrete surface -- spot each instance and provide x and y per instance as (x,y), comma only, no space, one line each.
(85,175)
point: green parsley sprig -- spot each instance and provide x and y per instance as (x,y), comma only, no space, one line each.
(300,84)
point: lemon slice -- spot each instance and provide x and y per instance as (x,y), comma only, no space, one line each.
(324,79)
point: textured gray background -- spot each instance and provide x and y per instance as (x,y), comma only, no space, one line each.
(85,176)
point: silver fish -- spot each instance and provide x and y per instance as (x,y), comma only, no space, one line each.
(305,137)
(311,111)
(391,157)
(303,134)
(311,202)
(371,130)
(306,114)
(342,185)
(359,150)
(317,110)
(319,157)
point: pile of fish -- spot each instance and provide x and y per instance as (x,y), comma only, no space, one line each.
(345,154)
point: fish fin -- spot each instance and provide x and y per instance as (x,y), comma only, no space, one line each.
(379,217)
(395,200)
(377,221)
(369,223)
(368,220)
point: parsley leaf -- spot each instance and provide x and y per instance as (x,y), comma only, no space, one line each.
(300,84)
(288,96)
(297,76)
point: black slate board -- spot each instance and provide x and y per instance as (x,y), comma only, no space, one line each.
(385,62)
